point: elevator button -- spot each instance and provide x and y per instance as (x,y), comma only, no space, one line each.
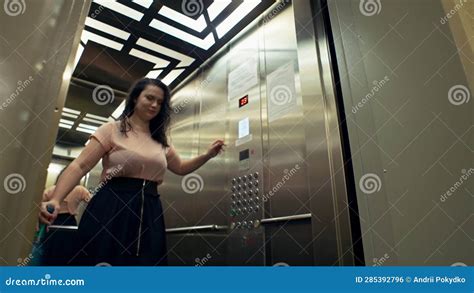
(256,191)
(256,208)
(255,183)
(244,178)
(256,224)
(238,180)
(255,175)
(245,210)
(233,181)
(232,188)
(244,186)
(257,199)
(250,225)
(249,184)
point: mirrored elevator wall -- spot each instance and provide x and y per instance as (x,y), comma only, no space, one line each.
(277,195)
(37,45)
(409,136)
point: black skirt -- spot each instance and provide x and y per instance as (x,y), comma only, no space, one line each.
(123,225)
(60,246)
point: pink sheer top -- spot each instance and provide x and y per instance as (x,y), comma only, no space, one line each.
(136,155)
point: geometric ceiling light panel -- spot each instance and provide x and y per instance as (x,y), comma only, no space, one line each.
(154,73)
(86,36)
(144,3)
(216,8)
(205,43)
(159,62)
(120,8)
(70,113)
(170,77)
(236,16)
(184,59)
(195,24)
(108,29)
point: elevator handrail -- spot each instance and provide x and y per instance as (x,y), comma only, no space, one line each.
(286,218)
(197,228)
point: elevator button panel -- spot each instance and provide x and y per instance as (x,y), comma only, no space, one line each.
(245,202)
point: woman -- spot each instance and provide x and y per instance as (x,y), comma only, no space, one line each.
(123,223)
(61,246)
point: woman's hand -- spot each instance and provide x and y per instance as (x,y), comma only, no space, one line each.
(44,216)
(216,148)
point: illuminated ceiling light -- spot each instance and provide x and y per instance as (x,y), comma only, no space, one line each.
(65,121)
(82,125)
(116,114)
(144,3)
(93,121)
(120,8)
(195,24)
(69,115)
(236,16)
(216,8)
(172,76)
(67,126)
(177,33)
(154,73)
(94,23)
(150,58)
(68,110)
(185,60)
(86,36)
(97,117)
(85,130)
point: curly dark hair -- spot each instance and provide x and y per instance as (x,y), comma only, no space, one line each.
(160,123)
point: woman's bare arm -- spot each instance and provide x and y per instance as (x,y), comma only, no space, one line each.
(88,158)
